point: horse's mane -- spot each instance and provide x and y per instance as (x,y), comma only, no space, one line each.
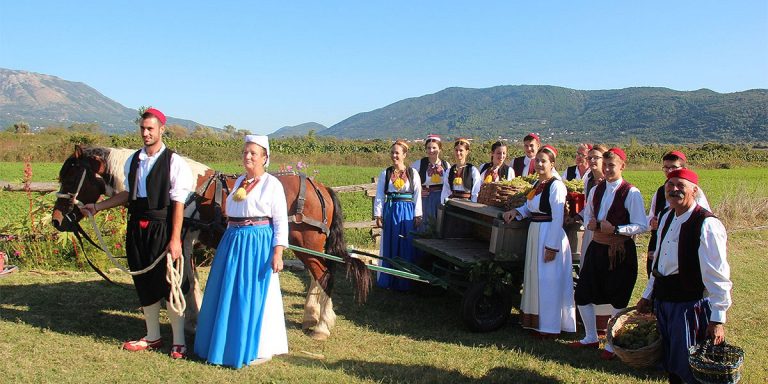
(116,158)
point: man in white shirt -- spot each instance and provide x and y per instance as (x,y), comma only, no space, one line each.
(690,287)
(158,183)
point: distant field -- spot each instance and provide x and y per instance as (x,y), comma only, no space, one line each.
(716,183)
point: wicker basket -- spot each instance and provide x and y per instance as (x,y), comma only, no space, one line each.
(715,364)
(496,194)
(639,358)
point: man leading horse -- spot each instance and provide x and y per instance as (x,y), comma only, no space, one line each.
(157,184)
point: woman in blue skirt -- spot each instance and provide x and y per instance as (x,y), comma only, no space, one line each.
(431,170)
(398,208)
(241,321)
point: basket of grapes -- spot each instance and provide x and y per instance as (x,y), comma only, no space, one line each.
(635,338)
(575,198)
(499,193)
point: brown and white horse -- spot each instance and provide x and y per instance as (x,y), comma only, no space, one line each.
(92,172)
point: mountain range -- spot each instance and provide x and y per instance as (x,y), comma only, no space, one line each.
(298,130)
(659,115)
(648,114)
(44,101)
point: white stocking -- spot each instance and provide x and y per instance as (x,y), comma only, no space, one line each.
(177,326)
(589,320)
(152,319)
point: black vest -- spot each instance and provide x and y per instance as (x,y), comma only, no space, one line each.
(570,172)
(503,170)
(518,165)
(686,285)
(158,181)
(424,163)
(661,203)
(544,206)
(409,174)
(466,178)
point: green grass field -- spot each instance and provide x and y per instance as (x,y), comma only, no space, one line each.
(67,327)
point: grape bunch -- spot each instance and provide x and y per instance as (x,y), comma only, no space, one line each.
(636,333)
(574,185)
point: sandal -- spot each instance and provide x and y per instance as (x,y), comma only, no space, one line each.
(142,344)
(178,351)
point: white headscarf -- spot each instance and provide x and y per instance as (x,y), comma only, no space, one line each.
(262,141)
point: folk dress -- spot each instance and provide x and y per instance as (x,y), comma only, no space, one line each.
(242,316)
(488,169)
(448,189)
(547,304)
(433,182)
(397,208)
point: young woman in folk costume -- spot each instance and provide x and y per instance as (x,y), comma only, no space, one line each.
(463,179)
(242,321)
(397,208)
(497,170)
(547,305)
(431,170)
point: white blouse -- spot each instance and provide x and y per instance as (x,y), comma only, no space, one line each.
(476,183)
(428,180)
(267,198)
(557,194)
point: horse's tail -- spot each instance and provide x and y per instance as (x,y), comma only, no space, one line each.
(335,244)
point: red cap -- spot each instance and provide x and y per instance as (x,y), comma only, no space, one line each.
(684,173)
(619,152)
(679,154)
(159,115)
(550,148)
(589,147)
(534,136)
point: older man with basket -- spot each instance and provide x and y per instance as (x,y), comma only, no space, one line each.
(689,287)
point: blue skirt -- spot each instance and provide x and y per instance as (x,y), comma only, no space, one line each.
(429,207)
(230,320)
(396,241)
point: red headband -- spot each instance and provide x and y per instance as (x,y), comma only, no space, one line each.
(159,115)
(550,148)
(684,173)
(619,152)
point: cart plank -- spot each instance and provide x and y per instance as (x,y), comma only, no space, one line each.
(461,252)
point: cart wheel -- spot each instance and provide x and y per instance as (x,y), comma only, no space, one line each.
(485,313)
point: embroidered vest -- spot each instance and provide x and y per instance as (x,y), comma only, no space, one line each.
(424,164)
(466,177)
(408,173)
(617,213)
(503,170)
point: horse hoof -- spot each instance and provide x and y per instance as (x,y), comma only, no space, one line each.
(307,325)
(319,336)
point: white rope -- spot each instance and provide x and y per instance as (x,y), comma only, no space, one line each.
(174,270)
(174,276)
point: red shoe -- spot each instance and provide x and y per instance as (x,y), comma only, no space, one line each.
(178,351)
(142,344)
(607,355)
(578,344)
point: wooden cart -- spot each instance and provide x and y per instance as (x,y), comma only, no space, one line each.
(481,257)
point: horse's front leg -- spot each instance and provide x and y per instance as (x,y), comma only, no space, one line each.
(194,296)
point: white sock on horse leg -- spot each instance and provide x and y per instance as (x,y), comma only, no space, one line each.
(152,319)
(312,305)
(177,326)
(589,320)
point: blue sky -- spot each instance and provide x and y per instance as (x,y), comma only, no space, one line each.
(263,65)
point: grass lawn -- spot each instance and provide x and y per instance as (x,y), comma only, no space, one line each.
(67,327)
